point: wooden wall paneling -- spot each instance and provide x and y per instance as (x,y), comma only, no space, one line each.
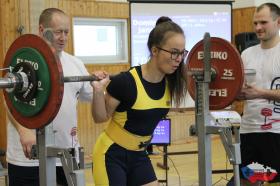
(2,108)
(26,13)
(88,131)
(9,21)
(24,16)
(3,135)
(110,68)
(13,13)
(243,20)
(69,8)
(51,3)
(10,18)
(35,9)
(180,124)
(1,36)
(2,54)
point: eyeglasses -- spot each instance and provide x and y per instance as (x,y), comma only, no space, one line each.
(176,53)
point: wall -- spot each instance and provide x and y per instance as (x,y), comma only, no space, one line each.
(25,12)
(14,13)
(242,20)
(8,33)
(252,3)
(242,4)
(2,110)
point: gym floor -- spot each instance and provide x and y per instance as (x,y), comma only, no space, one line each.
(183,169)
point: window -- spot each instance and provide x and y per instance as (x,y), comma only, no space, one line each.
(100,40)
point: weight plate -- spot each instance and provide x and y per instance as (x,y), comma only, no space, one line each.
(32,101)
(227,65)
(30,47)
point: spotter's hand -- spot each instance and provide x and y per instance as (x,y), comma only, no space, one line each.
(249,92)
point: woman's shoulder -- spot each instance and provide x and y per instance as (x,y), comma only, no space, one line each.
(125,76)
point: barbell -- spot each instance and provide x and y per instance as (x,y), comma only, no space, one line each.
(35,83)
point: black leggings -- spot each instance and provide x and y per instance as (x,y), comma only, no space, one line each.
(29,176)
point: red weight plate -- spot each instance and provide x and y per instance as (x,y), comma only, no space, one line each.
(227,63)
(50,110)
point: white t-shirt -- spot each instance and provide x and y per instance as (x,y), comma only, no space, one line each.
(261,115)
(65,123)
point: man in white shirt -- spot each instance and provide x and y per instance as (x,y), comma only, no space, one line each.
(22,170)
(260,125)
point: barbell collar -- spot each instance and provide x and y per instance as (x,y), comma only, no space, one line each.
(14,82)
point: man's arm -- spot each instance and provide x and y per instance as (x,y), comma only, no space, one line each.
(252,92)
(27,136)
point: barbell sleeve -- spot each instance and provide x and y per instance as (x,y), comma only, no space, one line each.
(12,81)
(6,83)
